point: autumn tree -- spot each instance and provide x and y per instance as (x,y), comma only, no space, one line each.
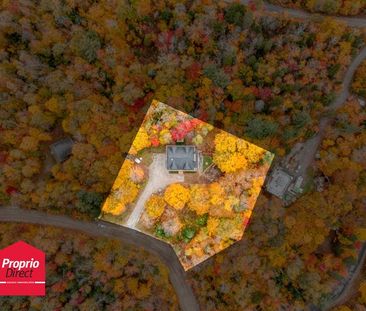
(141,141)
(124,191)
(226,155)
(359,83)
(89,202)
(199,199)
(86,44)
(155,206)
(260,128)
(232,154)
(176,195)
(212,224)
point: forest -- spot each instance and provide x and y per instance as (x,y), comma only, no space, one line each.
(90,273)
(89,70)
(298,255)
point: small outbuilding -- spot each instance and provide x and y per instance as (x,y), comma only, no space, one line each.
(61,149)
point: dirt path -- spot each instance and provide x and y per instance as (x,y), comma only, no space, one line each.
(159,179)
(311,146)
(310,149)
(349,286)
(158,248)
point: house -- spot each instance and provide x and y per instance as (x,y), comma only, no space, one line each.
(279,182)
(182,158)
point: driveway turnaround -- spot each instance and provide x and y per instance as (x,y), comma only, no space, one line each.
(159,178)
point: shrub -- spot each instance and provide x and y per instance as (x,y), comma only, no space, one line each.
(202,220)
(188,233)
(159,232)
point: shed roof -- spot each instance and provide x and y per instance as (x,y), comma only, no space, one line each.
(62,149)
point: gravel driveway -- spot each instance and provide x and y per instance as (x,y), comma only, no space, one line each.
(159,178)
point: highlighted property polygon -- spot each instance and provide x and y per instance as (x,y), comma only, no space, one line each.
(187,183)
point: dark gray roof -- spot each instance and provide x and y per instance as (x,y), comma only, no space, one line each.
(181,158)
(62,149)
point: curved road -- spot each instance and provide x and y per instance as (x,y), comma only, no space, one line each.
(357,22)
(158,248)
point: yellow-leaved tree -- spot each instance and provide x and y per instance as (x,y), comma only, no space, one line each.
(225,142)
(199,199)
(252,152)
(117,201)
(217,194)
(232,153)
(176,195)
(140,142)
(229,162)
(212,224)
(256,187)
(155,206)
(124,191)
(226,155)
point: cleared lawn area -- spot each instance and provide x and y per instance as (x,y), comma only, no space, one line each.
(207,161)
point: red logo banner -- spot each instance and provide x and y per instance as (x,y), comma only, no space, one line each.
(22,270)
